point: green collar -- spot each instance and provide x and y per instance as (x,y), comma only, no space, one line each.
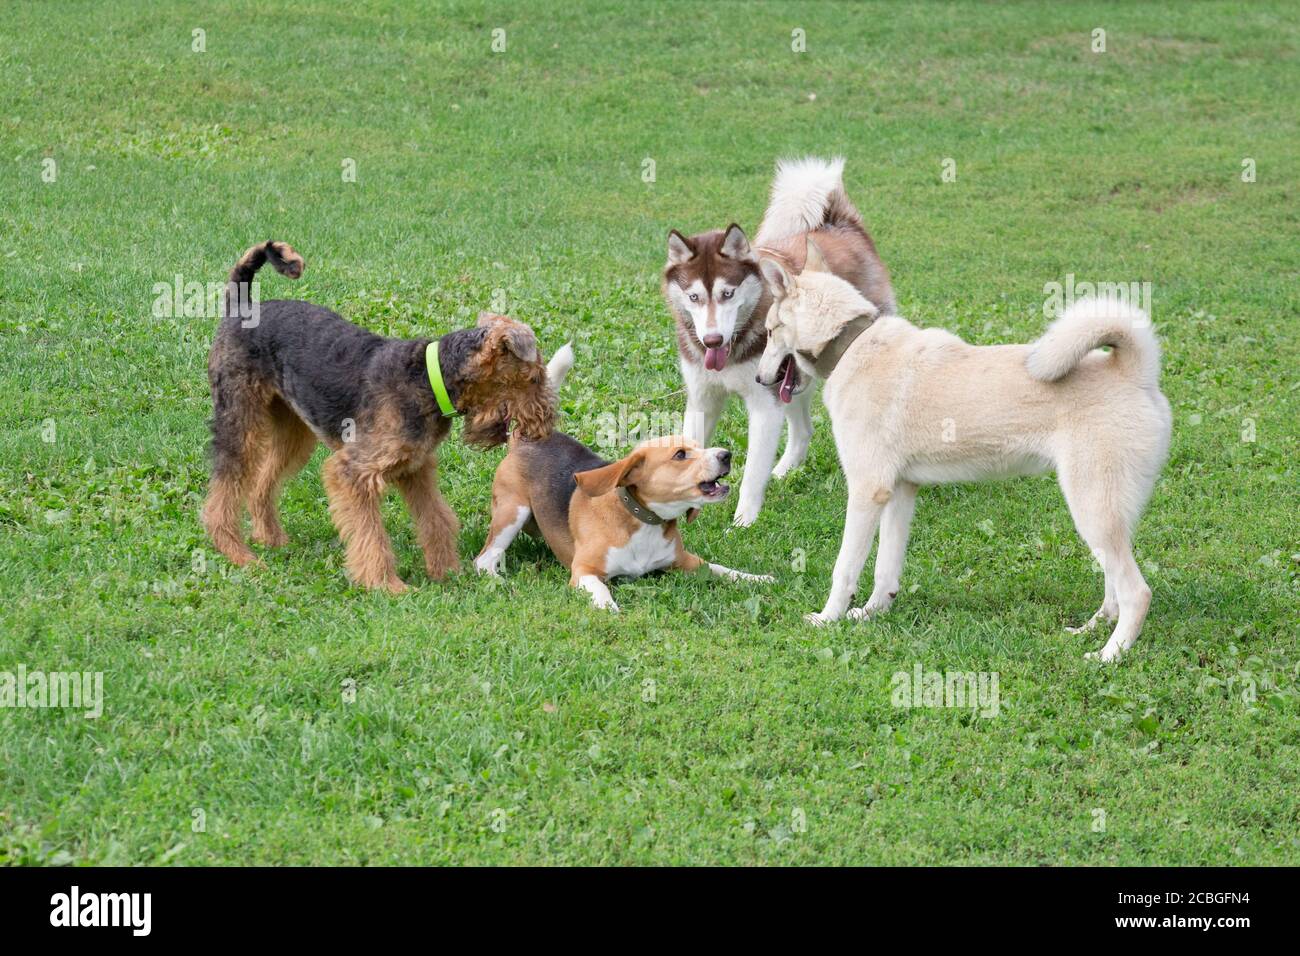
(435,380)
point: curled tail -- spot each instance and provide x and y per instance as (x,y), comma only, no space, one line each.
(280,254)
(1089,324)
(557,369)
(807,194)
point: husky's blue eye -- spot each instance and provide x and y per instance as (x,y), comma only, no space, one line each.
(694,297)
(728,293)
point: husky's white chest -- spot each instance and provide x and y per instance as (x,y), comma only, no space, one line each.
(736,378)
(649,549)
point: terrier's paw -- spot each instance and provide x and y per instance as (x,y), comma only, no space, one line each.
(488,563)
(271,538)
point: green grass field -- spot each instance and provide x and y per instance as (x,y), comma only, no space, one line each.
(277,715)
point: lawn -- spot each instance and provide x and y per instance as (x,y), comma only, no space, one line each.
(277,715)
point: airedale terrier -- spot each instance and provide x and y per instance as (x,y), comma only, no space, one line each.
(296,374)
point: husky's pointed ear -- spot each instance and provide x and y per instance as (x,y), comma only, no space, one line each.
(603,480)
(774,274)
(679,248)
(815,261)
(735,245)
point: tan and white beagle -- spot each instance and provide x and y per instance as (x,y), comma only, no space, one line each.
(606,519)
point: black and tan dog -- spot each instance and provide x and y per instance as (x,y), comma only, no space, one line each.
(605,519)
(299,374)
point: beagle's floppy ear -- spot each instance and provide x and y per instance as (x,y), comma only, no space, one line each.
(603,480)
(774,274)
(815,261)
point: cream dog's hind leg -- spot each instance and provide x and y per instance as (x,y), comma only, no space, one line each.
(1101,501)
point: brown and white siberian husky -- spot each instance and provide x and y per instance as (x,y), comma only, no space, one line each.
(717,294)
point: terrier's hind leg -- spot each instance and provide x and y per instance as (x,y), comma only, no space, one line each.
(291,444)
(241,437)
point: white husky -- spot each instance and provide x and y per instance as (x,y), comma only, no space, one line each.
(913,407)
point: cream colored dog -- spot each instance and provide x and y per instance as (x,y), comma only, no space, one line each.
(913,407)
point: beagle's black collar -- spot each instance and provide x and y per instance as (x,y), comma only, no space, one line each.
(635,508)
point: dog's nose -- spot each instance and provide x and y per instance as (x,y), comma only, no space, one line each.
(712,341)
(724,457)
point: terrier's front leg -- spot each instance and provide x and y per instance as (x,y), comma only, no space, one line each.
(436,527)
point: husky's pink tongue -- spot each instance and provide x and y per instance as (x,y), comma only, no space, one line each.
(716,358)
(787,383)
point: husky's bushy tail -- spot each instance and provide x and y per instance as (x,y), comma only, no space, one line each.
(1091,323)
(557,369)
(807,194)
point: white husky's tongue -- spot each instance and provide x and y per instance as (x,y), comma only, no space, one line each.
(716,358)
(787,383)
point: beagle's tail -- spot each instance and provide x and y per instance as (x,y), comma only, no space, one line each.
(1089,324)
(557,369)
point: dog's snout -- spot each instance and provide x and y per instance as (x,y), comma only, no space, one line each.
(724,457)
(713,341)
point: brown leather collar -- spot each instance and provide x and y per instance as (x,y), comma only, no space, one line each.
(824,362)
(635,508)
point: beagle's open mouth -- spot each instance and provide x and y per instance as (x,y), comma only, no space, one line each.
(789,375)
(713,490)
